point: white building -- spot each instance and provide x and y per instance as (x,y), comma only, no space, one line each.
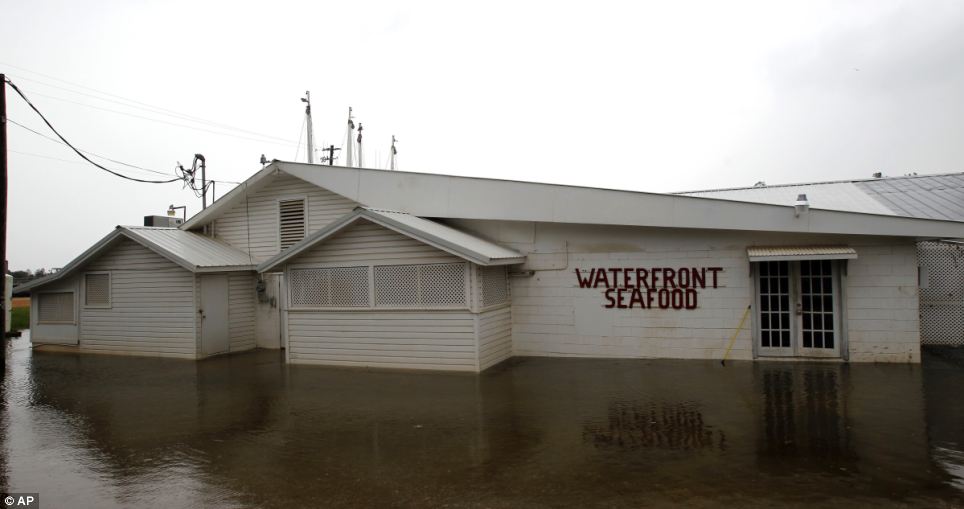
(358,267)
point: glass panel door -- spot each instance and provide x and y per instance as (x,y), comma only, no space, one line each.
(798,308)
(774,306)
(817,309)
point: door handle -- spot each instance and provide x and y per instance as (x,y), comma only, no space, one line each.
(799,308)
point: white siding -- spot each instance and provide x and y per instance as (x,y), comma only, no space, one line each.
(385,339)
(151,310)
(411,339)
(262,211)
(495,336)
(553,316)
(365,242)
(241,302)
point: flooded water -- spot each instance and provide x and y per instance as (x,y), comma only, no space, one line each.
(248,431)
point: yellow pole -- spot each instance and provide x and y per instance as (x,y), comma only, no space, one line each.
(735,334)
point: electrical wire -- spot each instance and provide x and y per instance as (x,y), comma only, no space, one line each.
(55,140)
(302,132)
(79,153)
(142,105)
(160,121)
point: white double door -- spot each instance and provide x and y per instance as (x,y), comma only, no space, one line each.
(798,308)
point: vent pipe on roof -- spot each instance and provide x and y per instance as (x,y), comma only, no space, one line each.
(801,206)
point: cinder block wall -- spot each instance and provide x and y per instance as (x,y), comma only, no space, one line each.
(882,304)
(553,316)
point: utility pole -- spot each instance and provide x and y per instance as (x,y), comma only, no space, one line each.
(3,208)
(393,153)
(331,155)
(348,152)
(311,142)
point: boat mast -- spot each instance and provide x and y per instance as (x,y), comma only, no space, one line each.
(392,154)
(311,140)
(349,159)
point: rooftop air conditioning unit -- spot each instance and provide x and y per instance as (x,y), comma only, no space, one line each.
(164,221)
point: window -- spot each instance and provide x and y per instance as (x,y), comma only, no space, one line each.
(424,286)
(291,222)
(330,287)
(493,285)
(97,289)
(55,307)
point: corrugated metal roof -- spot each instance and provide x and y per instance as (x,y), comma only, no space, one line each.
(446,238)
(198,251)
(458,197)
(845,196)
(775,253)
(919,196)
(926,196)
(192,251)
(425,228)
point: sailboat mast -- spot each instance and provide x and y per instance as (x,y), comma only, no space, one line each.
(311,138)
(349,156)
(392,154)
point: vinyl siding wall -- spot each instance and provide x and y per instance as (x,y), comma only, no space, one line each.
(322,208)
(151,305)
(495,336)
(383,338)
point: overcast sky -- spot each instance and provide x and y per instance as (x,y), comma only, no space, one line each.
(654,96)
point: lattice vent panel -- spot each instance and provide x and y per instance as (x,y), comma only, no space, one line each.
(443,284)
(55,307)
(396,285)
(941,293)
(429,286)
(97,289)
(330,287)
(493,285)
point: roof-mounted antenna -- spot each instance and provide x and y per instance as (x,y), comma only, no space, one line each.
(349,159)
(392,154)
(311,143)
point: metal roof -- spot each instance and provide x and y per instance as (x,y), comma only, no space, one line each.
(446,238)
(192,251)
(927,196)
(844,196)
(776,253)
(457,197)
(920,196)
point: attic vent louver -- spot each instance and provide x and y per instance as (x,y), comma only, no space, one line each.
(291,217)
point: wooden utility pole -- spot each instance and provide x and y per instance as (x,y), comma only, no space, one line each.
(3,208)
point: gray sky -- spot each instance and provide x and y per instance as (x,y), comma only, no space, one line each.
(655,96)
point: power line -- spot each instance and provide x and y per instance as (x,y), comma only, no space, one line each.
(143,106)
(55,140)
(79,153)
(160,120)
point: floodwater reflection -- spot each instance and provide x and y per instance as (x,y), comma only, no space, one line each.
(248,431)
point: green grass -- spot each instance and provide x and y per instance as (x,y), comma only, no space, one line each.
(19,319)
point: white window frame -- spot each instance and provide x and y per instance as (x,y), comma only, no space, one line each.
(277,214)
(73,319)
(110,290)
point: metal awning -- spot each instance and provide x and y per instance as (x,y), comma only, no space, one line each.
(778,253)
